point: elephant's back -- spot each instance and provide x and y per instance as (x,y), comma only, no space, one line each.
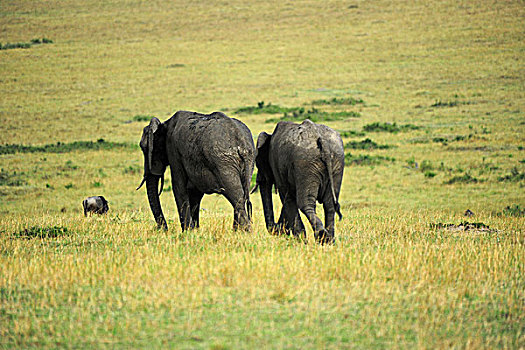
(213,140)
(297,150)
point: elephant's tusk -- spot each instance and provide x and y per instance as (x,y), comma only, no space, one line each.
(142,183)
(254,189)
(161,184)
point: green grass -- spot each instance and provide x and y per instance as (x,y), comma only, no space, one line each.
(443,83)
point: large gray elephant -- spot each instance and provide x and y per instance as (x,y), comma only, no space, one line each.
(305,162)
(206,154)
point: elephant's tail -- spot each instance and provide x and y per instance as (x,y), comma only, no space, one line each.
(246,180)
(327,160)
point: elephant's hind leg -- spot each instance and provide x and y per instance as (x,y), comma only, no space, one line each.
(195,198)
(329,222)
(290,220)
(306,204)
(235,195)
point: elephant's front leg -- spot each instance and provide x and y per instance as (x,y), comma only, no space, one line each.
(183,207)
(290,220)
(182,199)
(329,220)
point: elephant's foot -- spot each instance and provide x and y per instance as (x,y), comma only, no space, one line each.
(324,237)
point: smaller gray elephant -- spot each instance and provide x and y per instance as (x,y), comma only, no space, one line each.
(305,162)
(96,204)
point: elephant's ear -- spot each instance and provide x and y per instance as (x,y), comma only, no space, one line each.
(156,146)
(262,161)
(263,141)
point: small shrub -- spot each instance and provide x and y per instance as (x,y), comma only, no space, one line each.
(426,165)
(60,147)
(10,46)
(37,41)
(350,133)
(263,108)
(142,118)
(446,139)
(444,104)
(96,184)
(339,101)
(42,232)
(314,115)
(68,186)
(70,166)
(466,178)
(132,170)
(513,210)
(388,127)
(365,159)
(11,179)
(429,174)
(514,176)
(365,144)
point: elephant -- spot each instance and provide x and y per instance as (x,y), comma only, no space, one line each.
(206,153)
(305,163)
(96,204)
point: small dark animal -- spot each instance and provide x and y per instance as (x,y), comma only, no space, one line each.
(96,204)
(469,213)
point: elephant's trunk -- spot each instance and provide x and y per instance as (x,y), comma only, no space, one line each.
(267,201)
(152,186)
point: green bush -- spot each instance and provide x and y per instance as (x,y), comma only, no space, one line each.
(365,144)
(388,127)
(465,178)
(60,147)
(42,232)
(365,159)
(513,210)
(339,101)
(350,133)
(314,115)
(11,179)
(37,41)
(262,108)
(514,176)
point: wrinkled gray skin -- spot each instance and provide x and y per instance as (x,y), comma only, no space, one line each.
(206,154)
(305,162)
(96,204)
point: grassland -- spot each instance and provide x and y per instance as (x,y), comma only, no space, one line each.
(437,87)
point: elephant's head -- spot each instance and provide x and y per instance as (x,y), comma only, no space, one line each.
(265,178)
(153,145)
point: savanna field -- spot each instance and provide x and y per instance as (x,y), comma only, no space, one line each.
(429,97)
